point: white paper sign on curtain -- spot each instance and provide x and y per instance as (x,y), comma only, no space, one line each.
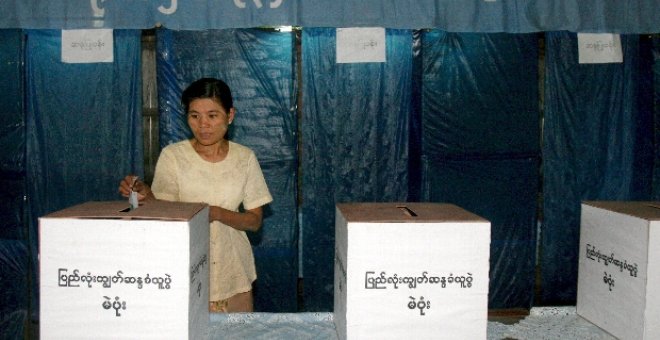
(361,45)
(87,46)
(599,48)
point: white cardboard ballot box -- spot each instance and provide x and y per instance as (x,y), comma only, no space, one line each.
(619,268)
(108,272)
(410,271)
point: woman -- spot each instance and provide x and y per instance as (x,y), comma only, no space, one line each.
(209,168)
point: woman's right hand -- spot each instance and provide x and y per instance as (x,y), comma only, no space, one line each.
(133,183)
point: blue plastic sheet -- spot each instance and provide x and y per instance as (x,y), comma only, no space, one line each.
(12,119)
(14,288)
(597,146)
(14,258)
(12,136)
(258,66)
(480,145)
(480,95)
(655,84)
(355,143)
(84,122)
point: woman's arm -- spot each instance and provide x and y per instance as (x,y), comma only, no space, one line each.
(250,220)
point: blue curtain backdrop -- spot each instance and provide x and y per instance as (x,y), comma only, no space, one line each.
(598,145)
(480,145)
(354,145)
(83,127)
(258,66)
(14,238)
(655,76)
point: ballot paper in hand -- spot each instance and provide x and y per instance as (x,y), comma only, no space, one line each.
(133,200)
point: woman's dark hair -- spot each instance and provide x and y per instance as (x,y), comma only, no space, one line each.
(211,88)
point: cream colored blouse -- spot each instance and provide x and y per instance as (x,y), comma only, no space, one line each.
(182,175)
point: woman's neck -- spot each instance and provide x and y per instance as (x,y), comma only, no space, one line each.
(213,153)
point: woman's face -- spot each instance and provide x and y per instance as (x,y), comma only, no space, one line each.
(208,120)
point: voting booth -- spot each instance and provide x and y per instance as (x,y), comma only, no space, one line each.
(410,271)
(107,271)
(619,268)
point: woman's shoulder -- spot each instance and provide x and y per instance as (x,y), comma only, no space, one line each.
(240,150)
(177,146)
(177,149)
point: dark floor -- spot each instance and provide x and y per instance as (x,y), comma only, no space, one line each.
(507,316)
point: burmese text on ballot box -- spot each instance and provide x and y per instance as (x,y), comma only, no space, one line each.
(410,271)
(108,272)
(619,268)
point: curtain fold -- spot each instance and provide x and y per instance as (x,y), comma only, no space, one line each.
(14,236)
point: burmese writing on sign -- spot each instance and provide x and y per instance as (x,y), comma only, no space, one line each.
(421,304)
(64,279)
(116,304)
(595,255)
(383,281)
